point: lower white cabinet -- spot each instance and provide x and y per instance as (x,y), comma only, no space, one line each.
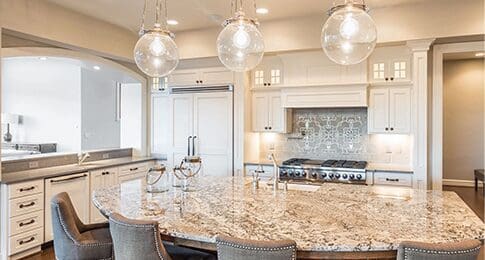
(268,113)
(393,179)
(389,110)
(77,186)
(101,179)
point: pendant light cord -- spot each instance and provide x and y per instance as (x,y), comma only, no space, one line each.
(157,14)
(142,26)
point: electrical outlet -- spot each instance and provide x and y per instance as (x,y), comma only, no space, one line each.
(34,164)
(105,155)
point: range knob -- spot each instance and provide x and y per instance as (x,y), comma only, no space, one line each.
(344,176)
(297,173)
(283,173)
(314,175)
(359,176)
(291,173)
(351,176)
(330,175)
(323,174)
(337,176)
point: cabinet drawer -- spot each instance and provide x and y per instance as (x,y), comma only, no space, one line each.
(23,223)
(27,204)
(135,168)
(395,179)
(25,188)
(25,241)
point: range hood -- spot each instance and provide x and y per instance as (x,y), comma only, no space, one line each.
(325,96)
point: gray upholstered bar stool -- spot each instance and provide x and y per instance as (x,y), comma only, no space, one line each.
(136,239)
(229,248)
(465,250)
(72,238)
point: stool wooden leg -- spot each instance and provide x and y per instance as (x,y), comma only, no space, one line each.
(476,183)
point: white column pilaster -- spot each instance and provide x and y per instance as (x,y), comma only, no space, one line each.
(419,49)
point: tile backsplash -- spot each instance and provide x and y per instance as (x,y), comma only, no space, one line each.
(329,133)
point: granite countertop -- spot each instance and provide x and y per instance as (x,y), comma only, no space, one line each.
(42,173)
(335,217)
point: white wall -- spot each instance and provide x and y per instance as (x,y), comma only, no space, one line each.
(47,94)
(100,128)
(132,117)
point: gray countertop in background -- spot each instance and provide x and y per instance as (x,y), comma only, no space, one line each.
(57,171)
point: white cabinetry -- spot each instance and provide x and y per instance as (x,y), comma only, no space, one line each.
(268,113)
(101,179)
(393,179)
(389,110)
(22,217)
(269,72)
(208,116)
(206,76)
(160,129)
(390,64)
(77,186)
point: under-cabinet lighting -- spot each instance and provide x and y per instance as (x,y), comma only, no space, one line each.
(480,54)
(43,58)
(96,67)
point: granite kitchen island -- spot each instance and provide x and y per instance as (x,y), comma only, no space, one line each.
(330,221)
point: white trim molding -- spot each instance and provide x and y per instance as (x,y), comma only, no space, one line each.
(461,183)
(437,109)
(419,49)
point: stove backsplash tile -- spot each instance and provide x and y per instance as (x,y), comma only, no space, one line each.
(335,133)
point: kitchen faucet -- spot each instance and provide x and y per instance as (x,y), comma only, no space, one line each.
(276,175)
(82,157)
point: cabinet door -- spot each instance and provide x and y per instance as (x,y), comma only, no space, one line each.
(400,110)
(399,69)
(77,186)
(378,71)
(101,179)
(216,76)
(277,114)
(260,112)
(183,78)
(181,126)
(378,111)
(213,128)
(160,128)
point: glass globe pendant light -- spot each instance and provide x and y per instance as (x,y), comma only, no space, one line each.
(240,45)
(349,36)
(156,53)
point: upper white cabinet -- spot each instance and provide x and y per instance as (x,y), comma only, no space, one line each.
(269,72)
(206,76)
(390,64)
(389,110)
(269,114)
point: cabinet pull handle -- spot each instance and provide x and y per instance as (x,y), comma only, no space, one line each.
(134,169)
(69,179)
(394,180)
(27,205)
(26,241)
(27,189)
(32,221)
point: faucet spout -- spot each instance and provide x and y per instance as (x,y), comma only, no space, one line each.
(276,174)
(82,157)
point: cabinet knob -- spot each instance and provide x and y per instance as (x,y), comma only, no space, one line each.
(269,84)
(264,84)
(265,128)
(269,128)
(392,128)
(387,128)
(387,79)
(201,81)
(392,78)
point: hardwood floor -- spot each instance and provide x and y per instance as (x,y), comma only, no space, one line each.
(474,199)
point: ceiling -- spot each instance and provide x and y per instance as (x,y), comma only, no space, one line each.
(197,14)
(462,56)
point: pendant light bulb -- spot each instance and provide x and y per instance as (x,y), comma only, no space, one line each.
(349,36)
(240,45)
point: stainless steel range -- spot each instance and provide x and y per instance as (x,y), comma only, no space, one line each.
(297,169)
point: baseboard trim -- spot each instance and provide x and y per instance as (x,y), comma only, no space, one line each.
(461,183)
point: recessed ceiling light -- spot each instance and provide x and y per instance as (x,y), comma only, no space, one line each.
(172,22)
(96,67)
(262,10)
(43,58)
(480,54)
